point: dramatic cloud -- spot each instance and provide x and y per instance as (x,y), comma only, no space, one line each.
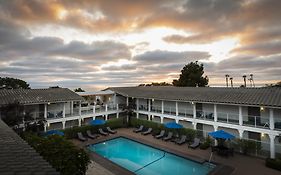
(101,43)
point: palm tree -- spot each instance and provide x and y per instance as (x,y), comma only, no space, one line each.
(231,81)
(244,77)
(252,79)
(226,79)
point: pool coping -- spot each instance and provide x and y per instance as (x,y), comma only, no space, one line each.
(220,169)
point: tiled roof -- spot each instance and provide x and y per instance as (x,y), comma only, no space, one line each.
(268,96)
(17,157)
(35,96)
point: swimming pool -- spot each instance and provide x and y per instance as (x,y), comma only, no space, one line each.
(145,160)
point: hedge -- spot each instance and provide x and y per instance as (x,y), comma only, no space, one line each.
(112,123)
(273,163)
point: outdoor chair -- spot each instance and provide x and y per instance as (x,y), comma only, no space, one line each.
(59,114)
(168,137)
(50,115)
(139,129)
(160,135)
(149,130)
(102,132)
(182,140)
(90,135)
(81,137)
(110,130)
(195,143)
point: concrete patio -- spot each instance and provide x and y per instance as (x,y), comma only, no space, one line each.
(242,164)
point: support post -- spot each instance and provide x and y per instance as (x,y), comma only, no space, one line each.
(117,108)
(127,101)
(177,109)
(271,119)
(137,111)
(63,125)
(106,108)
(215,129)
(45,111)
(194,110)
(149,105)
(161,119)
(80,108)
(241,133)
(79,122)
(240,116)
(215,113)
(71,107)
(63,111)
(45,127)
(94,109)
(162,107)
(106,117)
(272,146)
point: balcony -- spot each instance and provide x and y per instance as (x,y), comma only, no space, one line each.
(256,121)
(228,118)
(205,115)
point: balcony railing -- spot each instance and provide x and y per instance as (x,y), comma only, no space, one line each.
(205,115)
(228,118)
(185,112)
(277,123)
(256,121)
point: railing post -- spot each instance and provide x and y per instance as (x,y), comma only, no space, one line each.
(271,119)
(240,116)
(215,113)
(162,107)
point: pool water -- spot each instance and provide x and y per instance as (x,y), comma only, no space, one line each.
(145,160)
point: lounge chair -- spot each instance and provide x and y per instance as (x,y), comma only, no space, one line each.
(90,135)
(110,130)
(160,135)
(102,132)
(139,129)
(195,143)
(182,140)
(168,137)
(147,132)
(81,137)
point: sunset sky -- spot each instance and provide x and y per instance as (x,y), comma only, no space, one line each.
(95,44)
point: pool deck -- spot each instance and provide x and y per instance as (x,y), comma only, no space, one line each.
(236,165)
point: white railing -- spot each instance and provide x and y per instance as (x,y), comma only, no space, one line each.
(185,112)
(205,115)
(228,118)
(277,123)
(256,121)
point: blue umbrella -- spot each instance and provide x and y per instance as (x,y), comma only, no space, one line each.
(97,122)
(173,125)
(54,132)
(221,134)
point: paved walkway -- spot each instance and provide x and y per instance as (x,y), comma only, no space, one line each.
(244,165)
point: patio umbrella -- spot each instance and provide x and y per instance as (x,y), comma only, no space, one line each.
(173,125)
(54,132)
(97,122)
(221,134)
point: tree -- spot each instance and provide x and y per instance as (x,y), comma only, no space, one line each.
(62,154)
(13,83)
(278,84)
(192,75)
(79,90)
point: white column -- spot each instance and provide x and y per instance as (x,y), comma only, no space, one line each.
(45,111)
(114,99)
(63,111)
(94,109)
(117,108)
(215,129)
(45,127)
(215,113)
(71,107)
(106,117)
(272,146)
(177,109)
(194,110)
(79,122)
(161,119)
(162,107)
(240,116)
(137,112)
(117,115)
(63,125)
(271,119)
(194,125)
(149,118)
(80,108)
(149,104)
(106,108)
(241,133)
(127,101)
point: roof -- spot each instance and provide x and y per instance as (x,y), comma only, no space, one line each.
(37,96)
(105,92)
(17,157)
(267,96)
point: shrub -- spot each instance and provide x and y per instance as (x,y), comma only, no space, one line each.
(273,163)
(249,146)
(206,144)
(60,153)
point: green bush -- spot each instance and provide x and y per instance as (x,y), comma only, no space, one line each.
(112,123)
(273,163)
(206,144)
(248,146)
(60,153)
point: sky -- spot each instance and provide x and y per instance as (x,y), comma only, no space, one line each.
(94,44)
